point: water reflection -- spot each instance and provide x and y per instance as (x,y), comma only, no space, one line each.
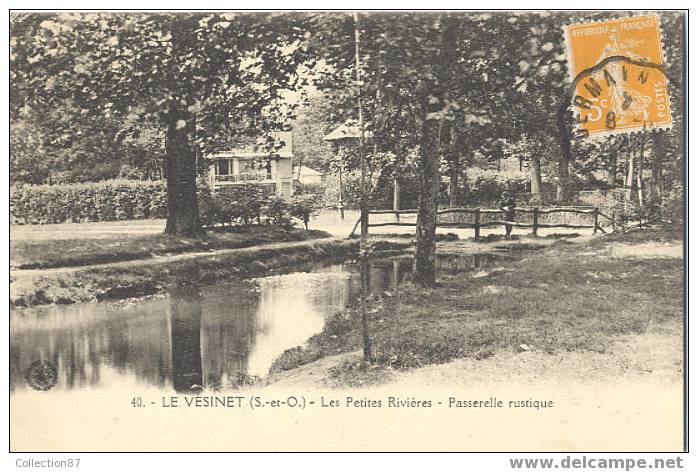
(185,333)
(217,336)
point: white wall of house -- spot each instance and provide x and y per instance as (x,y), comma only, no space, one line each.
(284,177)
(234,167)
(235,170)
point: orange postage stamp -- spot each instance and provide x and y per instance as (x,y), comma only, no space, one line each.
(619,84)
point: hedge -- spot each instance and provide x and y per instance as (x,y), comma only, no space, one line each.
(109,200)
(115,200)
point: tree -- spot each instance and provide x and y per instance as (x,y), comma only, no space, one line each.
(311,125)
(529,82)
(52,145)
(202,77)
(413,85)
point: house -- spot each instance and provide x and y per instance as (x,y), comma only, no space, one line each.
(347,133)
(247,165)
(306,175)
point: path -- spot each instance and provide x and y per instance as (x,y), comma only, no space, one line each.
(31,273)
(99,230)
(628,399)
(328,220)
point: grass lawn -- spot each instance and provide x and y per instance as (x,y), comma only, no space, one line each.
(54,253)
(567,297)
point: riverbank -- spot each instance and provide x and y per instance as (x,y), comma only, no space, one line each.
(629,397)
(48,253)
(134,278)
(571,297)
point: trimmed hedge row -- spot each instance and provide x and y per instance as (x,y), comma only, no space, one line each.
(115,200)
(110,200)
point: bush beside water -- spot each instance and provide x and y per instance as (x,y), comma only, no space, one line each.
(110,200)
(118,200)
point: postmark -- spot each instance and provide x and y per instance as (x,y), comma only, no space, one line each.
(617,68)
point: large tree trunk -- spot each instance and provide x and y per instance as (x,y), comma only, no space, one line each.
(630,172)
(453,168)
(563,164)
(563,172)
(430,154)
(453,185)
(396,175)
(640,187)
(425,250)
(396,194)
(612,167)
(536,182)
(659,150)
(180,166)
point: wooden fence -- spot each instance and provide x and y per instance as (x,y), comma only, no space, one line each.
(519,217)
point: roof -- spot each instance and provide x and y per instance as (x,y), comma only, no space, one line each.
(308,171)
(247,155)
(285,138)
(346,132)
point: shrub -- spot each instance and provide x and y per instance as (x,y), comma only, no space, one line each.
(240,204)
(351,190)
(109,200)
(277,211)
(316,191)
(485,187)
(243,205)
(208,209)
(671,209)
(304,206)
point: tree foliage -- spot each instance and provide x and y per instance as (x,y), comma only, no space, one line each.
(205,78)
(442,91)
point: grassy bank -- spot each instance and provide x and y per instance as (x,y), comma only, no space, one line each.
(143,277)
(567,297)
(53,253)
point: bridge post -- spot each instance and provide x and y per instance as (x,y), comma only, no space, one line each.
(477,223)
(596,219)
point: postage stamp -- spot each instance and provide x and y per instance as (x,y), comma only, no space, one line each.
(617,69)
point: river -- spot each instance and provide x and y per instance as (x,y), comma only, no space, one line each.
(216,336)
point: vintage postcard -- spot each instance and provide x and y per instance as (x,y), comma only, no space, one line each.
(241,231)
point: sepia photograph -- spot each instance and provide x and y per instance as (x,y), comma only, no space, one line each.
(362,231)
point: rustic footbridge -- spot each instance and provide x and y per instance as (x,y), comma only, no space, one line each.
(478,218)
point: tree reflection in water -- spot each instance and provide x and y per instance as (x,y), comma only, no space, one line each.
(218,336)
(185,335)
(365,283)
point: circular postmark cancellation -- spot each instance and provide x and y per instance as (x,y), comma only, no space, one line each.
(619,84)
(41,375)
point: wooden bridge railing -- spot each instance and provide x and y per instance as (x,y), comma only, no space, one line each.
(477,218)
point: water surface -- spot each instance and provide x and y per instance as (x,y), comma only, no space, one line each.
(216,336)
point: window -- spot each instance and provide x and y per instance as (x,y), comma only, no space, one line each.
(247,167)
(223,167)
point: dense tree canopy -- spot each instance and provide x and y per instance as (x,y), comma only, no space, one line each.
(141,95)
(204,78)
